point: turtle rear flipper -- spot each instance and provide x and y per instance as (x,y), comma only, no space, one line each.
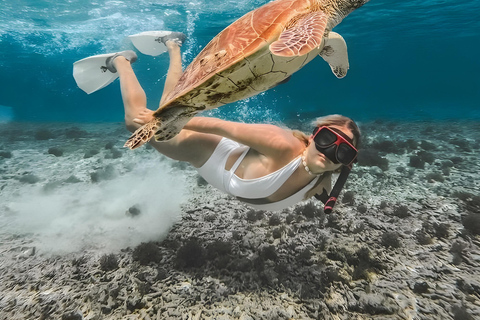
(335,54)
(143,134)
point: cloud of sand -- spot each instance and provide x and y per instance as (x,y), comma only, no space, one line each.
(83,215)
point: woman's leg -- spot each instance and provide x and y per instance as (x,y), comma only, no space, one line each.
(133,96)
(174,69)
(189,146)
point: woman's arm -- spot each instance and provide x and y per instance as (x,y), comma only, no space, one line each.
(267,139)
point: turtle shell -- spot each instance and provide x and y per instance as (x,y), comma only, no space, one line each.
(237,63)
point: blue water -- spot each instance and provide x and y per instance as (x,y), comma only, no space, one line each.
(409,60)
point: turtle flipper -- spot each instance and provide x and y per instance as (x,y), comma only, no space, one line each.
(303,36)
(168,122)
(173,120)
(143,134)
(172,129)
(335,54)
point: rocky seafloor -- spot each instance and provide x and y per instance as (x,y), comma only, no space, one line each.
(402,243)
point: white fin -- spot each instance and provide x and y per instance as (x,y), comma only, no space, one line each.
(150,42)
(91,73)
(335,54)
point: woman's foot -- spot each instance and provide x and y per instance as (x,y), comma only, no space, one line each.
(172,45)
(176,37)
(127,54)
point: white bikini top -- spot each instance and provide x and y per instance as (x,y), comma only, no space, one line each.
(261,187)
(265,186)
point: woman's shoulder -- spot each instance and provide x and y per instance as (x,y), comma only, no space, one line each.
(287,143)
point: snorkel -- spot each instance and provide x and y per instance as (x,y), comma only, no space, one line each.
(329,141)
(330,200)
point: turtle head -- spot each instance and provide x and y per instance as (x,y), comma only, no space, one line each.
(347,6)
(357,3)
(341,8)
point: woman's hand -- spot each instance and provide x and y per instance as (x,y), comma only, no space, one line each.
(144,117)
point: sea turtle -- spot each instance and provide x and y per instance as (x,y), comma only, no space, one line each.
(255,53)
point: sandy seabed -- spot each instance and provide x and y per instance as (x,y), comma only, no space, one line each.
(90,230)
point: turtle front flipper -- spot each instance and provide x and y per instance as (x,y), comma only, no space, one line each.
(173,120)
(304,34)
(143,134)
(168,122)
(335,53)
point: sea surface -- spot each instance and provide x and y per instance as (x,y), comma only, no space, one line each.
(409,60)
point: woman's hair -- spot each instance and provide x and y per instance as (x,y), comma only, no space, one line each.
(340,121)
(332,120)
(326,121)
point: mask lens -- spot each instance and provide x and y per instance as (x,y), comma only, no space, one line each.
(330,153)
(345,154)
(325,138)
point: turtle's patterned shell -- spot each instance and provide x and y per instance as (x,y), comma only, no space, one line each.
(247,35)
(257,52)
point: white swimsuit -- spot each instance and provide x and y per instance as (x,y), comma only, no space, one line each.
(213,171)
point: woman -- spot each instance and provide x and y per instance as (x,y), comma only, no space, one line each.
(266,166)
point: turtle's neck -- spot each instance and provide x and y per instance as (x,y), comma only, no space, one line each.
(339,9)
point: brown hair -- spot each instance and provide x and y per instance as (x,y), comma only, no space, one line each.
(330,120)
(340,121)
